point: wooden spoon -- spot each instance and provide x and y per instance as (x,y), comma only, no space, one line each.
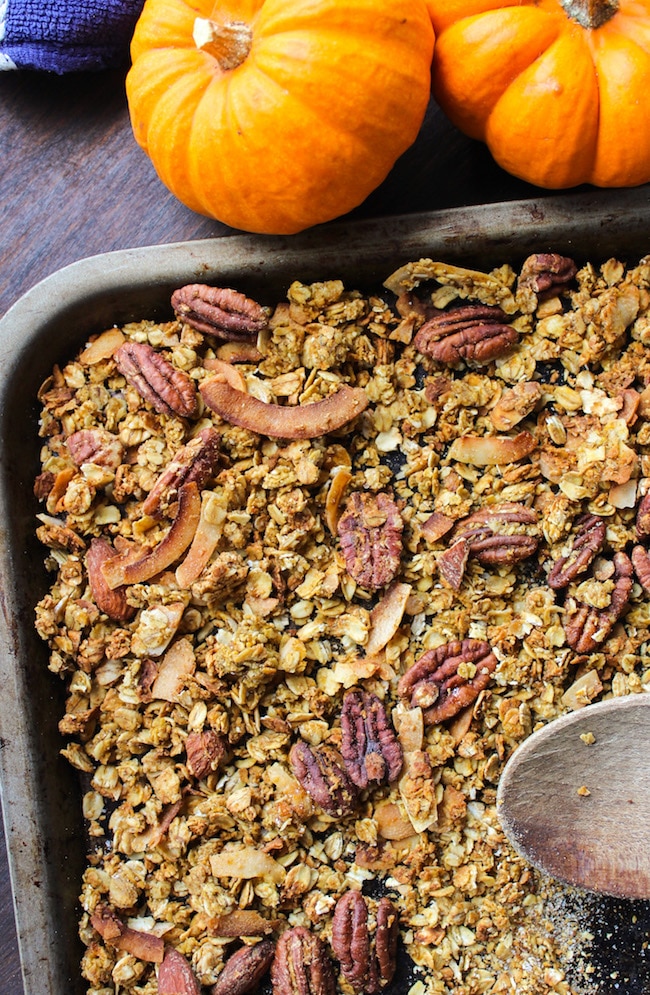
(574,798)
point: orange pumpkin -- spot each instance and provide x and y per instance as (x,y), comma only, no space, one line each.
(558,89)
(275,115)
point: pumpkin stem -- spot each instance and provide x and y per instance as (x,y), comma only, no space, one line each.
(228,43)
(590,13)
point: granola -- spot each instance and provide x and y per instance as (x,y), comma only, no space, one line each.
(237,706)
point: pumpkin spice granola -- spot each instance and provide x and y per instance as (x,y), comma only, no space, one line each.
(298,658)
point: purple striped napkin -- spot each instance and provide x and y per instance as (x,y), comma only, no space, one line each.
(63,36)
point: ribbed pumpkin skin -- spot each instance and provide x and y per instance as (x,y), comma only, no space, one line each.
(310,123)
(558,104)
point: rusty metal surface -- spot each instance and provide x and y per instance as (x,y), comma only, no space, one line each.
(41,802)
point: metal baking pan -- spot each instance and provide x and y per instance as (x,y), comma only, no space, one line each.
(41,802)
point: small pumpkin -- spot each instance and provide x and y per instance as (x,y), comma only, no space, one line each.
(558,89)
(276,115)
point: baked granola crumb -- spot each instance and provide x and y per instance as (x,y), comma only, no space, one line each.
(245,627)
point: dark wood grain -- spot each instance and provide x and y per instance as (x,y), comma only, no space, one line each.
(73,183)
(596,841)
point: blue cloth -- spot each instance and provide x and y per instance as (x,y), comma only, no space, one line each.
(62,36)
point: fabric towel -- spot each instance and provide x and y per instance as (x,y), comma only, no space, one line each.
(63,36)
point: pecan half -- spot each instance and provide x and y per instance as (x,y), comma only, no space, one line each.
(643,517)
(641,563)
(175,976)
(386,937)
(43,484)
(219,311)
(168,390)
(546,274)
(370,748)
(491,536)
(95,445)
(370,530)
(322,773)
(110,601)
(245,969)
(144,946)
(435,684)
(367,963)
(588,541)
(586,627)
(196,462)
(205,751)
(477,333)
(301,965)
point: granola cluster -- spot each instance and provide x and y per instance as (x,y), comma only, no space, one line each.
(316,570)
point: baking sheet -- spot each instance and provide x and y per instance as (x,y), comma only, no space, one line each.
(41,803)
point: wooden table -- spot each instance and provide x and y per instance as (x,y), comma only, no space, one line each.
(73,183)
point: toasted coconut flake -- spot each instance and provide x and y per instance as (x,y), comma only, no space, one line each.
(157,626)
(350,672)
(206,537)
(409,726)
(341,477)
(386,617)
(246,863)
(583,690)
(238,352)
(623,495)
(417,788)
(123,569)
(515,404)
(144,946)
(490,450)
(461,724)
(262,606)
(177,663)
(436,526)
(102,347)
(278,421)
(225,373)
